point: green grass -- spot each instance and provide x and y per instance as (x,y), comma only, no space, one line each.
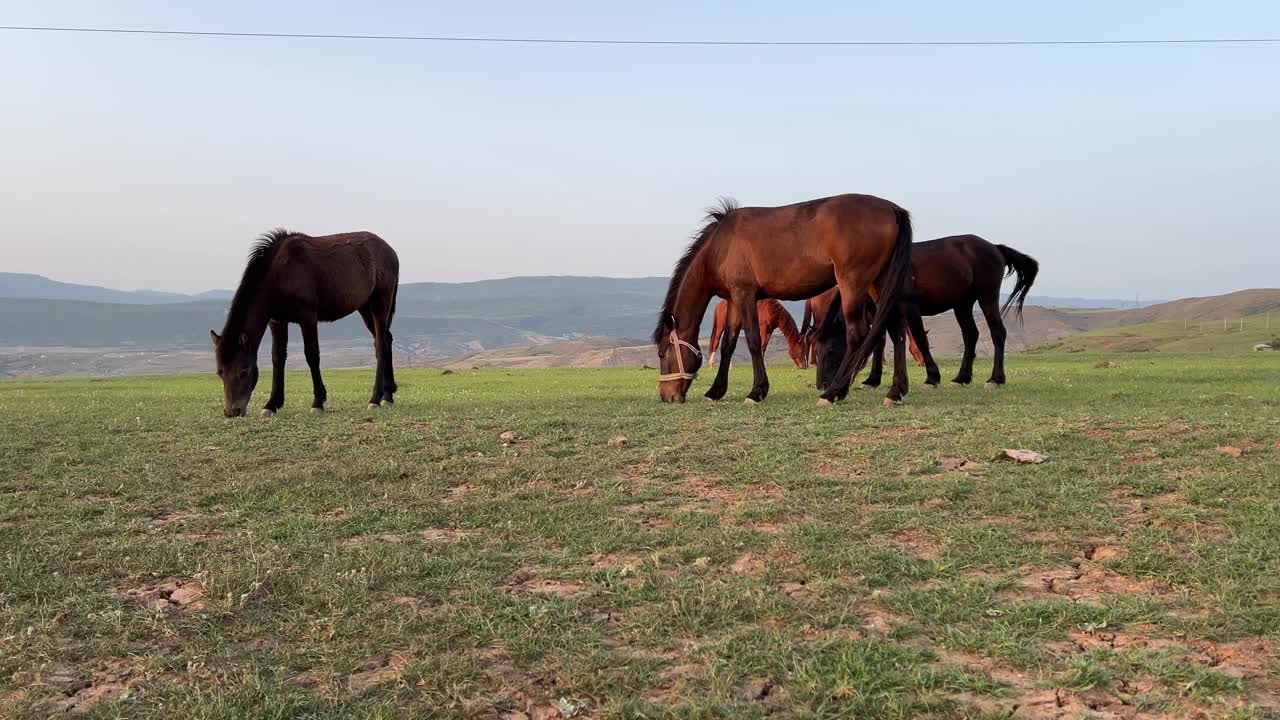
(1236,335)
(726,561)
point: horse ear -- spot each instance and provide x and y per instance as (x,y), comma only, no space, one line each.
(216,337)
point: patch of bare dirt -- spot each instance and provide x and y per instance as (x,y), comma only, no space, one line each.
(747,564)
(430,535)
(459,493)
(170,594)
(710,495)
(916,541)
(109,681)
(170,519)
(528,580)
(381,669)
(876,619)
(1247,659)
(767,691)
(949,464)
(618,562)
(841,467)
(1085,583)
(637,473)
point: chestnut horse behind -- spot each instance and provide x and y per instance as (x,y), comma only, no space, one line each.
(859,243)
(773,316)
(294,278)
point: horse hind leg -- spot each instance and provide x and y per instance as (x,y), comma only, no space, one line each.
(373,323)
(995,324)
(933,376)
(968,331)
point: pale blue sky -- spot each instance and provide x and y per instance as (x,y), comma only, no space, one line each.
(153,161)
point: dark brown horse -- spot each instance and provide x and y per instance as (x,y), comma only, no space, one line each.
(954,273)
(773,316)
(860,243)
(294,278)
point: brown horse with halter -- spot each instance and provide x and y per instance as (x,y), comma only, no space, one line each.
(859,243)
(773,316)
(295,278)
(952,273)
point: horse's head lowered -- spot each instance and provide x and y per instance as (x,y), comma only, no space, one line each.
(678,361)
(237,365)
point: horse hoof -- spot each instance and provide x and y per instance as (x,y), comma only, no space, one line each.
(931,386)
(387,403)
(749,401)
(268,412)
(823,402)
(993,386)
(958,384)
(890,402)
(317,411)
(373,406)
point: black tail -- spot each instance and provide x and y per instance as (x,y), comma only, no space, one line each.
(1026,268)
(893,280)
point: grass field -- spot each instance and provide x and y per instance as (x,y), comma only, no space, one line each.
(1238,334)
(725,561)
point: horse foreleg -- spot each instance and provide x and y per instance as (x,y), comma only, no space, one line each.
(311,348)
(751,319)
(279,352)
(728,342)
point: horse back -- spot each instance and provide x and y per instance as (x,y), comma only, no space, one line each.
(332,276)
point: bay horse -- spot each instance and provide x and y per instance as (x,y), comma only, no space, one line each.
(954,273)
(773,316)
(859,243)
(295,278)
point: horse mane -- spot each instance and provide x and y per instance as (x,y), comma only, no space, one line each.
(714,215)
(786,323)
(261,253)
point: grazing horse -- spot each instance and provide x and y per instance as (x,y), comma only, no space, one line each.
(954,273)
(294,278)
(773,316)
(816,308)
(859,243)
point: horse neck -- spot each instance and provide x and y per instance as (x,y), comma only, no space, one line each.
(691,303)
(783,321)
(250,318)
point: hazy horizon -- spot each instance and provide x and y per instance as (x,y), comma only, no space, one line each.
(139,162)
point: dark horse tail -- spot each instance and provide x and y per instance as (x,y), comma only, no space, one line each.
(1026,268)
(894,280)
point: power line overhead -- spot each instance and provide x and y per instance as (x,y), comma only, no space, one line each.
(618,41)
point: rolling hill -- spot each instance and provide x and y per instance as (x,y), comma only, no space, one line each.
(141,331)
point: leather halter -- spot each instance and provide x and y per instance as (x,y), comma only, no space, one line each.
(676,342)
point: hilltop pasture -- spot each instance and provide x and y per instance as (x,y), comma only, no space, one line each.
(556,543)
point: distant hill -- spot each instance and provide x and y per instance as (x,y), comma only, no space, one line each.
(438,322)
(23,285)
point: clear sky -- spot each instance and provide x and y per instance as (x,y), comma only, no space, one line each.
(152,162)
